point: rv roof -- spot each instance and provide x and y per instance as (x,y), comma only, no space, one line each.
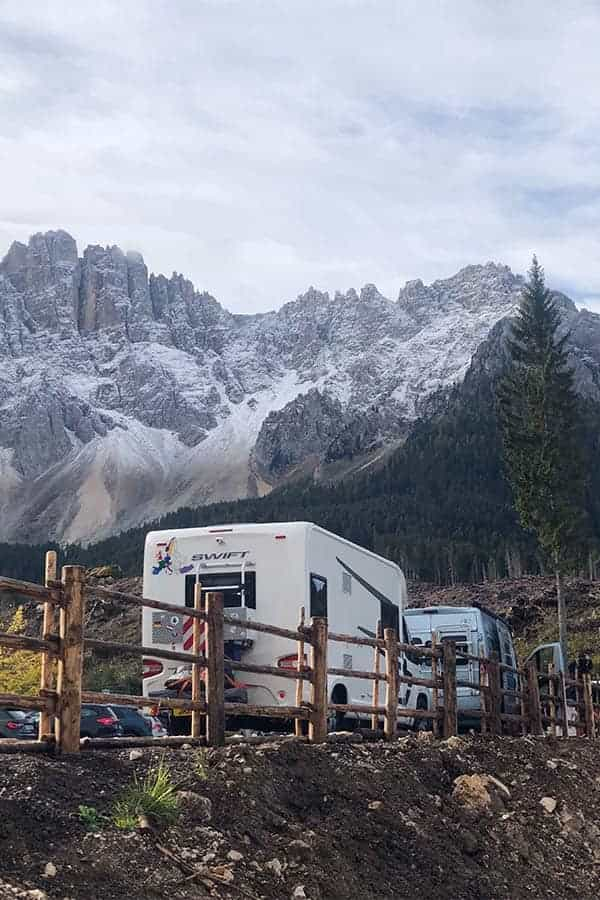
(449,610)
(274,528)
(435,610)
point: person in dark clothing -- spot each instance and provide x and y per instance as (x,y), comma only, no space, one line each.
(585,663)
(573,668)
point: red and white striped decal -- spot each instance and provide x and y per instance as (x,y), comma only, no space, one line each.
(188,635)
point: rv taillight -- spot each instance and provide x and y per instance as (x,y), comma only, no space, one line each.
(290,662)
(280,537)
(151,667)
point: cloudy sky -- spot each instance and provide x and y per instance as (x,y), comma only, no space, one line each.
(260,147)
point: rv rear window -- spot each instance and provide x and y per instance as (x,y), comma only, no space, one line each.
(462,646)
(229,584)
(318,595)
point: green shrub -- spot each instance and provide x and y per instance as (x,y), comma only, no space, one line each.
(91,818)
(117,676)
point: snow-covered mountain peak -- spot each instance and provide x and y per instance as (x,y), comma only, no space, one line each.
(126,394)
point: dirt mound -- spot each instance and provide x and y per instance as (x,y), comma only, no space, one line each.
(416,818)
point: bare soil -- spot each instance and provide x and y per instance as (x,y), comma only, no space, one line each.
(332,822)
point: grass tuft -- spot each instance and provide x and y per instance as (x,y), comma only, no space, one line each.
(201,766)
(154,797)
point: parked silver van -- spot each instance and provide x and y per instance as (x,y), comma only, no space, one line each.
(475,630)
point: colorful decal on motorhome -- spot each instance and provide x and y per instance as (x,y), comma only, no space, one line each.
(183,570)
(163,557)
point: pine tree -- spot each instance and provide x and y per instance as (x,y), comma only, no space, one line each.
(539,418)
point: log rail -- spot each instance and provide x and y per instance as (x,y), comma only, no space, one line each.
(529,703)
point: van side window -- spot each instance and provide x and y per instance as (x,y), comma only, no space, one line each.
(544,658)
(318,595)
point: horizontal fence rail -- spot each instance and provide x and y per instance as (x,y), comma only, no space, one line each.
(500,698)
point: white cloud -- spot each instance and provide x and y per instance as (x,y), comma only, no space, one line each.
(259,147)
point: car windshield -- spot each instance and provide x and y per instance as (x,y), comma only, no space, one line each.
(16,713)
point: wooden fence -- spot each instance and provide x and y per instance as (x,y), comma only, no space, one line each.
(545,702)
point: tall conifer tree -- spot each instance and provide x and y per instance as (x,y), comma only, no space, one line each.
(538,413)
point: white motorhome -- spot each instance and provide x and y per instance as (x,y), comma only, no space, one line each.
(267,572)
(475,631)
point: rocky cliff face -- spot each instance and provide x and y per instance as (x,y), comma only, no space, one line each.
(125,395)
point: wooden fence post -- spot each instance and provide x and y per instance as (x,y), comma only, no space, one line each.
(495,694)
(391,689)
(590,724)
(215,677)
(317,728)
(523,700)
(534,707)
(449,678)
(197,627)
(435,694)
(47,671)
(551,703)
(299,723)
(565,703)
(581,709)
(70,664)
(484,704)
(377,670)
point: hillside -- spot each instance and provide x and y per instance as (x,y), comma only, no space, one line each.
(410,819)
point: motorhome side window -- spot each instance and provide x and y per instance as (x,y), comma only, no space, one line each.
(318,595)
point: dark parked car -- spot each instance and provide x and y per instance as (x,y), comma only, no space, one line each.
(133,723)
(14,723)
(99,721)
